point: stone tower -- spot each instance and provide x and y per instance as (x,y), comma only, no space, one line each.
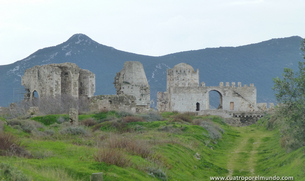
(182,75)
(131,80)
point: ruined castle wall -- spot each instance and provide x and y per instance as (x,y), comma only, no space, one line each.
(163,101)
(113,102)
(194,99)
(86,83)
(58,79)
(44,80)
(187,99)
(182,75)
(131,80)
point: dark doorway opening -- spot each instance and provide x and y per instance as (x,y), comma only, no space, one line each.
(197,106)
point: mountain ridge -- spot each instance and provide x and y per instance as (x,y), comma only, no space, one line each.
(254,63)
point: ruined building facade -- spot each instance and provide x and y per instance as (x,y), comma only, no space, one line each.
(184,94)
(131,80)
(58,79)
(133,91)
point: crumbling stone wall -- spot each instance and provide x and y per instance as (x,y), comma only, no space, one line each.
(131,80)
(114,102)
(185,95)
(58,79)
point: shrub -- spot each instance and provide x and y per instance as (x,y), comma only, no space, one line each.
(152,116)
(112,157)
(14,122)
(215,132)
(131,145)
(197,122)
(61,119)
(9,172)
(157,172)
(130,119)
(103,115)
(9,145)
(73,130)
(124,114)
(88,122)
(183,117)
(96,127)
(25,125)
(49,132)
(51,119)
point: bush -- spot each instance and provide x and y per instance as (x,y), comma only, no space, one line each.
(130,119)
(157,172)
(124,114)
(131,145)
(112,157)
(183,117)
(215,132)
(51,119)
(11,173)
(49,132)
(152,116)
(73,130)
(88,122)
(9,146)
(25,125)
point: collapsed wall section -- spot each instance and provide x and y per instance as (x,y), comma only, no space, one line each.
(58,79)
(131,80)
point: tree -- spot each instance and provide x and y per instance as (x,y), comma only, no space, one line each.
(290,94)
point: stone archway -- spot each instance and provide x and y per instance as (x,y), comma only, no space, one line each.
(214,96)
(35,98)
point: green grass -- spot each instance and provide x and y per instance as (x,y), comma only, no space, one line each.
(179,150)
(51,119)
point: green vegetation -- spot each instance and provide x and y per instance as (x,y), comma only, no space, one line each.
(290,92)
(125,146)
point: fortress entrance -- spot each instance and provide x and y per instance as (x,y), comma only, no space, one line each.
(215,100)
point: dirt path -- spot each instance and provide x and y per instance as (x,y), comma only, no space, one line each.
(243,156)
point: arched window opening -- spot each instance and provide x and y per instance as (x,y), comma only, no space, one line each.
(35,98)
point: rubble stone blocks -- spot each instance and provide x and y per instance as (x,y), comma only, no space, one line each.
(33,111)
(58,79)
(73,116)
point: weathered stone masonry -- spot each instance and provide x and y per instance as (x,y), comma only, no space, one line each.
(185,95)
(133,92)
(58,79)
(131,80)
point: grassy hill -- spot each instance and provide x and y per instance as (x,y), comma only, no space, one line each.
(125,146)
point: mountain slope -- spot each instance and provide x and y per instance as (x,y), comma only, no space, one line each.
(256,63)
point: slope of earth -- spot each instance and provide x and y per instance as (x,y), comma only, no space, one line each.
(142,147)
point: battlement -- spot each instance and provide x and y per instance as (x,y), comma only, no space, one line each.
(227,84)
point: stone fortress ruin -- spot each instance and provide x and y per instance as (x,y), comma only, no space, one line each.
(183,94)
(133,91)
(58,79)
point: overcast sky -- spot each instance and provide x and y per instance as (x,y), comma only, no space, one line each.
(150,27)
